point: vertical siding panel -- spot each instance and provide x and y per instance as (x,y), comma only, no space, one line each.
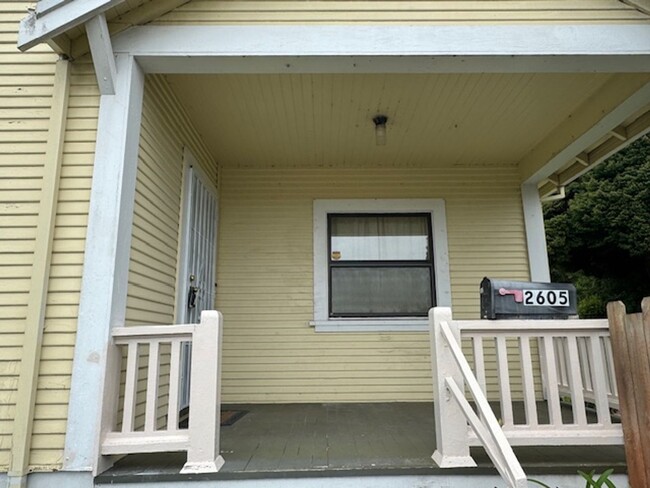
(271,354)
(26,85)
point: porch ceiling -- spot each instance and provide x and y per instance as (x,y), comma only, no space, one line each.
(326,119)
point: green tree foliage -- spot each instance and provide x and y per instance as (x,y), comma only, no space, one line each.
(599,235)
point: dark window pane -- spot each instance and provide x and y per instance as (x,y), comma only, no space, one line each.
(381,291)
(379,238)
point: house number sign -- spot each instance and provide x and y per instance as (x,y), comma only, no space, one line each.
(545,298)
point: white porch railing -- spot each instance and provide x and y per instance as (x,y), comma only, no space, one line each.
(576,362)
(201,439)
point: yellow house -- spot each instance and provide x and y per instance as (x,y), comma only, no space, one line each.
(163,157)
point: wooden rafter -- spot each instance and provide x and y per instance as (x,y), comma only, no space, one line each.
(619,132)
(640,5)
(585,161)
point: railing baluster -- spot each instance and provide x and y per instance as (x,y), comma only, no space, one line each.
(560,360)
(174,379)
(479,362)
(130,387)
(598,377)
(504,381)
(152,387)
(575,382)
(553,397)
(528,381)
(609,362)
(585,364)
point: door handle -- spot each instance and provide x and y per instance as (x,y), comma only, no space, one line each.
(191,296)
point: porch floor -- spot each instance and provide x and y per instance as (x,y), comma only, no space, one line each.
(345,439)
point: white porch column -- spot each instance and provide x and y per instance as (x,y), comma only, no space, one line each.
(108,241)
(535,234)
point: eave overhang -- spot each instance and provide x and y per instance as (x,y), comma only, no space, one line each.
(556,48)
(51,18)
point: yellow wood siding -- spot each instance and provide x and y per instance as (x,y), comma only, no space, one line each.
(26,82)
(50,418)
(437,11)
(265,278)
(166,130)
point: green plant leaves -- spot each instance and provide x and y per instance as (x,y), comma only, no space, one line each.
(603,479)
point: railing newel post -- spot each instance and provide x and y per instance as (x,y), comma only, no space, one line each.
(205,396)
(452,433)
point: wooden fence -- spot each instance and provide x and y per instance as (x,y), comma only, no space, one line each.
(631,349)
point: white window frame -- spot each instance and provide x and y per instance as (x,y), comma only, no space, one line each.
(434,207)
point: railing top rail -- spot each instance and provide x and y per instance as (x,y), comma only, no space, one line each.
(154,332)
(517,326)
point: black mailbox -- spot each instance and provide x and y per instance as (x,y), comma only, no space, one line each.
(526,300)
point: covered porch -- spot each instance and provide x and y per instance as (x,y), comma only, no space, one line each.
(277,441)
(578,407)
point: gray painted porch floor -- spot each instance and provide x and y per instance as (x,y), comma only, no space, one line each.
(343,440)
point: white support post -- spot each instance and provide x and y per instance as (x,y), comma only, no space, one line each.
(535,234)
(101,49)
(539,268)
(105,276)
(452,440)
(205,396)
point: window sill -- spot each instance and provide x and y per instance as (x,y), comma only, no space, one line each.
(371,325)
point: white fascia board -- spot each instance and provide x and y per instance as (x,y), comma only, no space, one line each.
(40,25)
(45,6)
(325,48)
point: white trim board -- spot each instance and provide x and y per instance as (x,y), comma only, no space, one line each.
(368,49)
(435,207)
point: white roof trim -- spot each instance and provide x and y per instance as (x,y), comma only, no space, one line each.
(54,17)
(371,48)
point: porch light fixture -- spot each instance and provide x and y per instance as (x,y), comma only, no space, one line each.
(380,129)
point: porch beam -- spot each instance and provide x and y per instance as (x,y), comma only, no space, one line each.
(57,16)
(105,275)
(102,53)
(621,98)
(373,49)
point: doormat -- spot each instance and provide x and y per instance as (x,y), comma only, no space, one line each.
(228,417)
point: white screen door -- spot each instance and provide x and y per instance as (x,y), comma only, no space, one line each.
(198,256)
